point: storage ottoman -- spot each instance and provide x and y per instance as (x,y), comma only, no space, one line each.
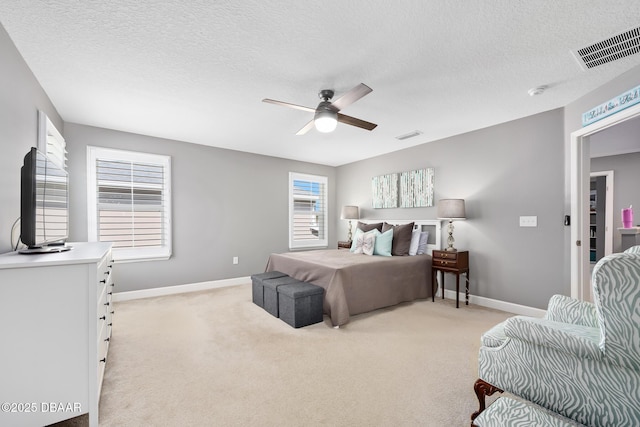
(271,292)
(257,285)
(300,304)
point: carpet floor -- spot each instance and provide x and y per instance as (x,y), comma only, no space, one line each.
(213,358)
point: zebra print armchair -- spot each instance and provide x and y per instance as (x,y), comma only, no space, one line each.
(633,250)
(582,360)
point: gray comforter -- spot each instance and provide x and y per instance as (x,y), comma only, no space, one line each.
(357,283)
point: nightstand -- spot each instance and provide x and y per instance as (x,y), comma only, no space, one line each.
(344,244)
(455,262)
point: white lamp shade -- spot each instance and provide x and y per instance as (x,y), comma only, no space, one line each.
(451,209)
(349,212)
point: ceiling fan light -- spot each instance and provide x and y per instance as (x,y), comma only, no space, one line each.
(325,121)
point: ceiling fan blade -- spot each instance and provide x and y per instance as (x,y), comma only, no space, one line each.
(287,104)
(348,120)
(352,96)
(305,129)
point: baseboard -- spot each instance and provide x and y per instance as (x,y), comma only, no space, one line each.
(179,289)
(193,287)
(509,307)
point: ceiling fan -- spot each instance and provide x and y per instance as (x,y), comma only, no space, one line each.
(327,114)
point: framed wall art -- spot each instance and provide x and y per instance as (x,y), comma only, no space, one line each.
(416,188)
(384,191)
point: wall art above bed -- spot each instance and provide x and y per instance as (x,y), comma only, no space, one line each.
(412,189)
(384,189)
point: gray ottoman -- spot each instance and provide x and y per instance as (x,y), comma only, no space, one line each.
(257,285)
(300,304)
(271,287)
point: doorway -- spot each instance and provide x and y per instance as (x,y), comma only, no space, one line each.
(580,188)
(600,215)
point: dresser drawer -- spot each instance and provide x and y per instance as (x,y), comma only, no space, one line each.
(450,259)
(445,255)
(445,262)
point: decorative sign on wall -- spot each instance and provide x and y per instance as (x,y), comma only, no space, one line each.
(619,103)
(411,189)
(416,188)
(384,189)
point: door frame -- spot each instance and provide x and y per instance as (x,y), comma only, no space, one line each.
(579,174)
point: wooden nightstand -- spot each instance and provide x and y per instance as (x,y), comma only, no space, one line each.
(456,262)
(344,244)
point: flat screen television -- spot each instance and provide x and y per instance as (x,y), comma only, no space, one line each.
(44,204)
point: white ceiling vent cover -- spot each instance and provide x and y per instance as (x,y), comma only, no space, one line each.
(409,135)
(609,50)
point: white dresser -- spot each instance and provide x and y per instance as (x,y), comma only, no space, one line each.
(55,327)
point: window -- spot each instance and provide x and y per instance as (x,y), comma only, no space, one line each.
(50,141)
(307,211)
(129,202)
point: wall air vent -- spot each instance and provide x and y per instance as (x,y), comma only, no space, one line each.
(609,50)
(409,135)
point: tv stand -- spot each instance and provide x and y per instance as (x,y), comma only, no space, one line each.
(46,249)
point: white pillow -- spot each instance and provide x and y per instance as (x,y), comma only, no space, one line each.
(365,243)
(422,244)
(415,240)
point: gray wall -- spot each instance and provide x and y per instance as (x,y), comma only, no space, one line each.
(502,172)
(20,99)
(626,176)
(225,203)
(513,169)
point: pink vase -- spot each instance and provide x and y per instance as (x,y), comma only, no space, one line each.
(627,218)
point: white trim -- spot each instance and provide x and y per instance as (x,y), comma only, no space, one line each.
(495,304)
(215,284)
(321,242)
(579,176)
(130,254)
(179,289)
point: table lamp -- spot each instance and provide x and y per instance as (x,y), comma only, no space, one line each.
(451,209)
(349,212)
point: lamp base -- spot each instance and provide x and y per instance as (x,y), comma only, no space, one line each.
(450,239)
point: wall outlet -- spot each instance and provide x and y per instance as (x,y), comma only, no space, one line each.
(235,259)
(528,221)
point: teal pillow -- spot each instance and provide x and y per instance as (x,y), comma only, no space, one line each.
(355,238)
(383,243)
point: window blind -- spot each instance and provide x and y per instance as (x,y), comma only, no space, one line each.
(51,142)
(56,150)
(129,199)
(130,204)
(308,214)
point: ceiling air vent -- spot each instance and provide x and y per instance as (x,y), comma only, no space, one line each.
(609,50)
(409,135)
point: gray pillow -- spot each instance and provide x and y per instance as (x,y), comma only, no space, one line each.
(368,227)
(401,238)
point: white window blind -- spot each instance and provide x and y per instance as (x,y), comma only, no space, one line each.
(129,203)
(50,141)
(307,211)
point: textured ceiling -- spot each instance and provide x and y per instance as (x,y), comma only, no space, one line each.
(197,70)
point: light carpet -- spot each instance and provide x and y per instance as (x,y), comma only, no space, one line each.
(213,358)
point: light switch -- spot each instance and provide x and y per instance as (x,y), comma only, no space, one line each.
(528,221)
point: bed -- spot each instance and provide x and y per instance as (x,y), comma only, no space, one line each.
(357,283)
